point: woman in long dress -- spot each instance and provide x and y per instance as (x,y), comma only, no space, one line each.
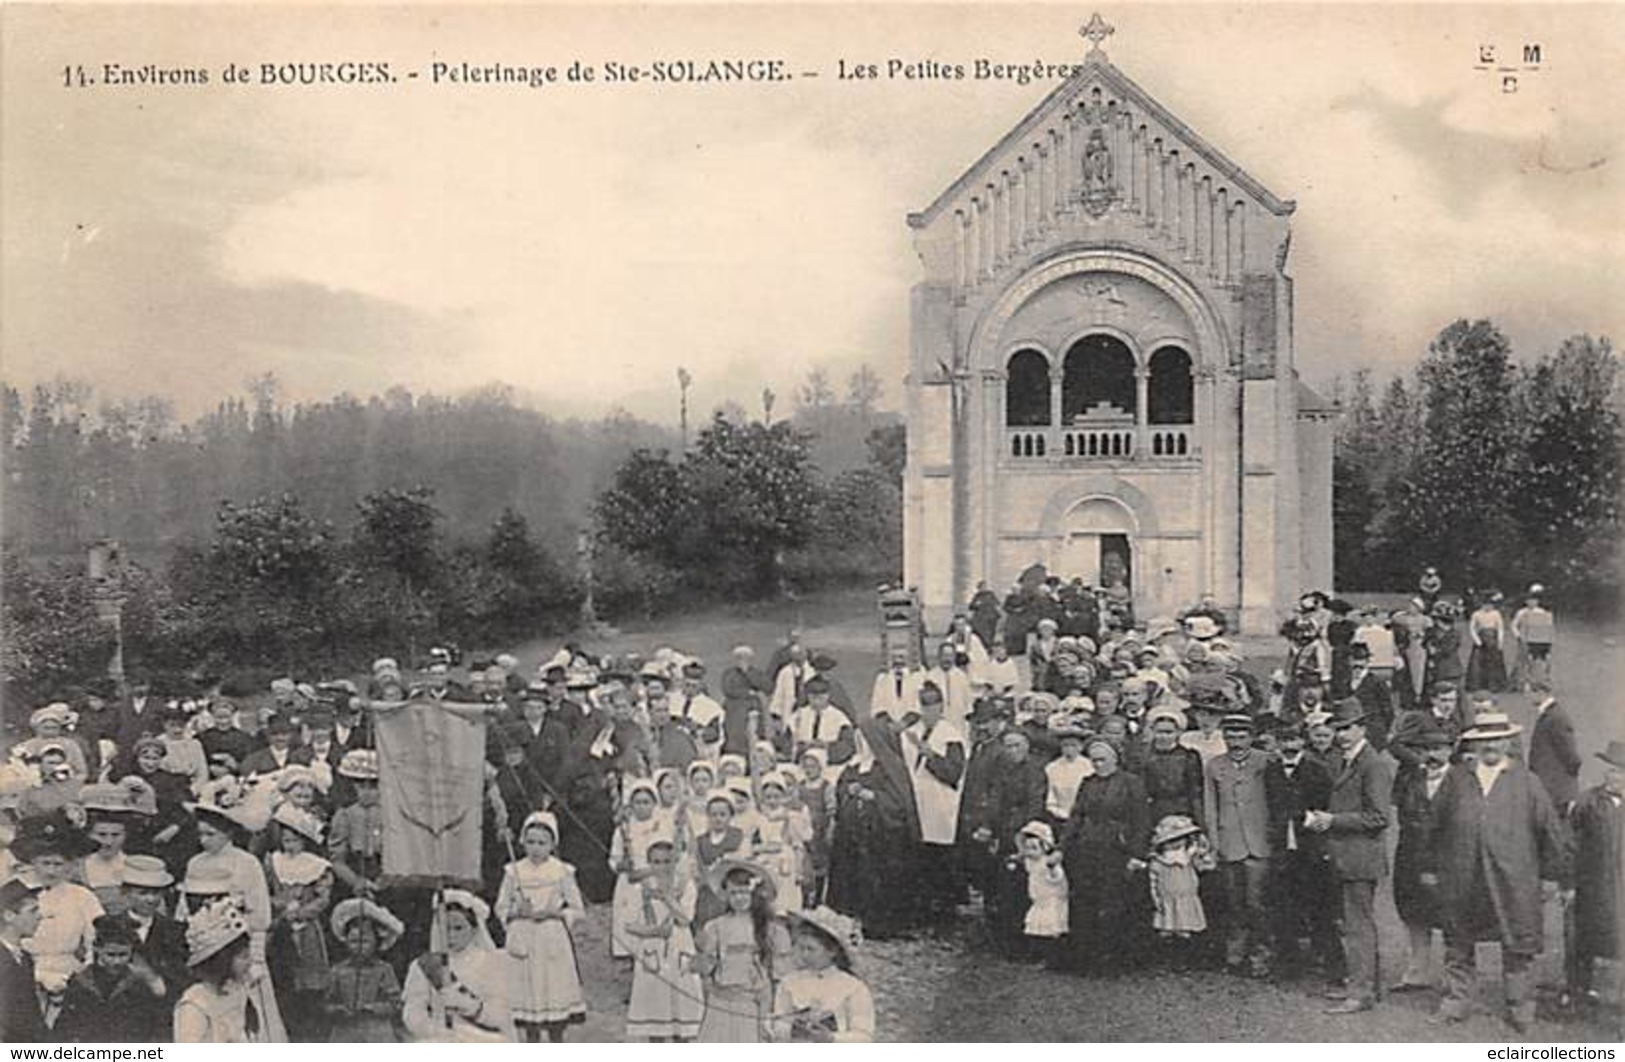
(457,992)
(1103,848)
(877,833)
(1486,661)
(216,1008)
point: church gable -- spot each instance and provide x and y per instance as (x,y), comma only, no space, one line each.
(1098,150)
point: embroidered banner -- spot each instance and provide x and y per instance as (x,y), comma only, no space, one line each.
(431,766)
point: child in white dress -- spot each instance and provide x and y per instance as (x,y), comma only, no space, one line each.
(1046,920)
(640,827)
(780,840)
(538,903)
(668,999)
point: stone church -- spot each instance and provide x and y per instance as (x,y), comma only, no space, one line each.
(1101,371)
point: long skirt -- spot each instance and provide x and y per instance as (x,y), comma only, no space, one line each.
(545,985)
(732,1016)
(667,1000)
(1487,669)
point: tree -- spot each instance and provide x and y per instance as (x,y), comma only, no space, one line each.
(816,392)
(863,391)
(888,451)
(1569,470)
(1453,505)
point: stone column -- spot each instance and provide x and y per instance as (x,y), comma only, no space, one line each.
(1152,215)
(1229,241)
(1179,201)
(1131,171)
(1142,412)
(1213,229)
(1057,374)
(990,228)
(1162,192)
(1018,208)
(1241,242)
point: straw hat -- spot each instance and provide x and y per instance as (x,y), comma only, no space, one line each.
(1172,828)
(147,872)
(57,712)
(130,795)
(1040,830)
(838,929)
(208,880)
(360,765)
(356,907)
(212,930)
(1487,726)
(299,821)
(1202,628)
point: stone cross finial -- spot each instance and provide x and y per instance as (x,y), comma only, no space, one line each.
(1096,30)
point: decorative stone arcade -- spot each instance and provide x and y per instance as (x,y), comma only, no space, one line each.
(1101,368)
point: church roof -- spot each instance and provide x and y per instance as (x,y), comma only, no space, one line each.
(1096,68)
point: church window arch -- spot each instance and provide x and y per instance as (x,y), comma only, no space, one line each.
(1027,390)
(1097,379)
(1172,390)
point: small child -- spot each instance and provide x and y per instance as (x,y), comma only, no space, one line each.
(363,994)
(538,902)
(640,826)
(666,1003)
(780,839)
(720,840)
(1046,921)
(817,798)
(301,884)
(1176,847)
(739,953)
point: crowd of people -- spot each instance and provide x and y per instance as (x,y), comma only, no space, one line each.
(1099,793)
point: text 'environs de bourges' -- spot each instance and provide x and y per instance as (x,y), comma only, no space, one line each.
(465,74)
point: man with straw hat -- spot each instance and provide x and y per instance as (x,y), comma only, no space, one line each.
(1598,823)
(1497,836)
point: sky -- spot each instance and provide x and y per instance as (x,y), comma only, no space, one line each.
(580,242)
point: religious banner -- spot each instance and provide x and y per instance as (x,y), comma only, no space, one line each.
(431,758)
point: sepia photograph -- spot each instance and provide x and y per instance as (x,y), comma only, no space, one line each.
(812,522)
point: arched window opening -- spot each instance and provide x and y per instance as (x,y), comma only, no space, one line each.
(1026,392)
(1098,380)
(1172,393)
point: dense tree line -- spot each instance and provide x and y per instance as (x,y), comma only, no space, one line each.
(267,539)
(1498,473)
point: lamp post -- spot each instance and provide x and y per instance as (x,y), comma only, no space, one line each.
(683,380)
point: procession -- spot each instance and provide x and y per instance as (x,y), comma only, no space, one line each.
(404,856)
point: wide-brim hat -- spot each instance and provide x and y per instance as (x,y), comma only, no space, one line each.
(50,835)
(1614,754)
(1172,828)
(147,872)
(1488,726)
(841,931)
(360,765)
(300,821)
(764,880)
(207,879)
(211,930)
(1041,830)
(129,796)
(356,907)
(1347,712)
(1431,736)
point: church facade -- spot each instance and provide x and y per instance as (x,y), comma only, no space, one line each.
(1101,376)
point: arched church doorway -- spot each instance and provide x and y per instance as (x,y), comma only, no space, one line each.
(1099,544)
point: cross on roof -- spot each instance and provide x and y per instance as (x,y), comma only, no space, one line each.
(1096,30)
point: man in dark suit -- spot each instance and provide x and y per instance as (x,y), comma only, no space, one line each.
(1552,752)
(1374,693)
(139,713)
(1302,890)
(278,753)
(1355,823)
(21,1020)
(1444,712)
(159,940)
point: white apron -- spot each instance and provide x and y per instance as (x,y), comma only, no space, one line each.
(938,803)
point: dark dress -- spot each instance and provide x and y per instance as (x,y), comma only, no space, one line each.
(875,853)
(1108,827)
(1418,904)
(1598,823)
(1173,782)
